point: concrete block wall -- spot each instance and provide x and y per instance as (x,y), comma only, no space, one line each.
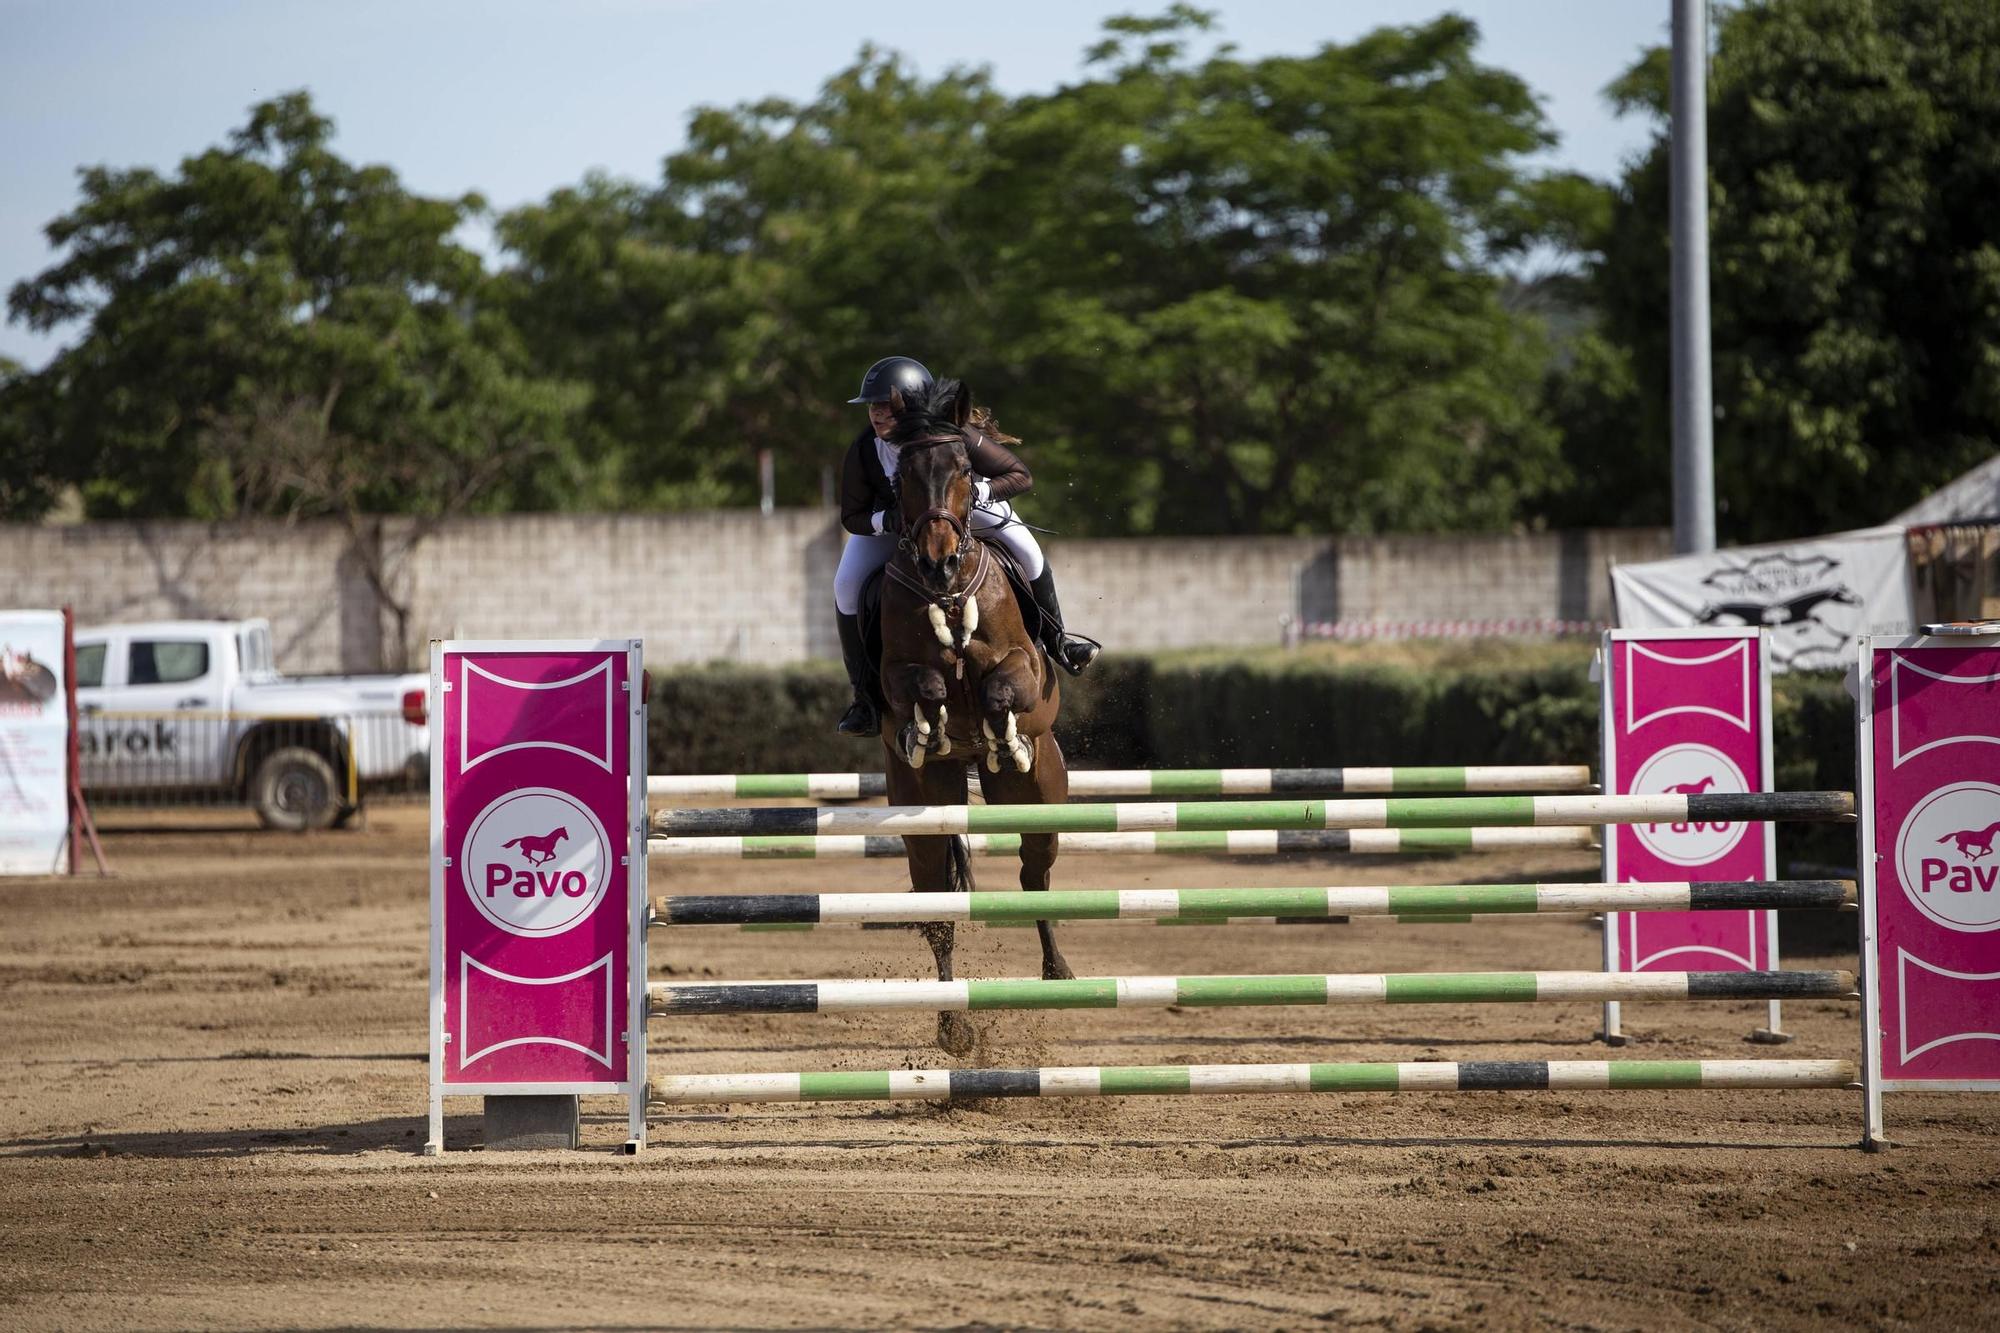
(1147,593)
(741,586)
(698,587)
(298,576)
(1548,575)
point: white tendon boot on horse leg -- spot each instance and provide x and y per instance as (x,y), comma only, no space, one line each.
(1021,750)
(913,737)
(943,738)
(992,746)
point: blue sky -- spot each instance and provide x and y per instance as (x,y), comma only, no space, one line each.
(514,98)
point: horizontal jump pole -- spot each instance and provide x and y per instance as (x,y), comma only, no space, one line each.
(939,1085)
(1157,782)
(676,998)
(1211,816)
(1408,900)
(774,927)
(1237,842)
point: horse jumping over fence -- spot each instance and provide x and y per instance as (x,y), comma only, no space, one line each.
(962,673)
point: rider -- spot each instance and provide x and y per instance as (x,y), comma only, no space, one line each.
(868,511)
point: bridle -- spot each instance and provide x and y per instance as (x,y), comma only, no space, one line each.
(937,513)
(953,604)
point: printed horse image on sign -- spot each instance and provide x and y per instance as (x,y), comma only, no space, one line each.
(538,851)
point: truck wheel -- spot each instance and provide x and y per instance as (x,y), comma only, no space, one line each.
(293,789)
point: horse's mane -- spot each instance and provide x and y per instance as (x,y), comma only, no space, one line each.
(928,415)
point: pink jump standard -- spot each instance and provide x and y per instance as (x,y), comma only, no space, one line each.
(1930,866)
(1688,711)
(538,863)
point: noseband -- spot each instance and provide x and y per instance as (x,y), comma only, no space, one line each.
(929,515)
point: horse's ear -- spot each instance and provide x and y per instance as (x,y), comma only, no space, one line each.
(961,406)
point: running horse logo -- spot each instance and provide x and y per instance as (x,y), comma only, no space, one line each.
(1792,611)
(1973,844)
(1691,788)
(538,851)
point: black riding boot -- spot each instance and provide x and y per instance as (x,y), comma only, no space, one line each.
(1071,652)
(861,717)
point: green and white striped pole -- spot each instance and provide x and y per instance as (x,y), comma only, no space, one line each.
(889,996)
(1181,1080)
(1412,901)
(1453,812)
(1234,842)
(1403,780)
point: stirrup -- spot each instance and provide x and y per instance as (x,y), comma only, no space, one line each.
(1074,653)
(860,719)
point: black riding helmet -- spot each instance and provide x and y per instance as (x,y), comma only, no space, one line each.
(898,374)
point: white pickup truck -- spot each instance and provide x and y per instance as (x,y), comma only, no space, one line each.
(180,709)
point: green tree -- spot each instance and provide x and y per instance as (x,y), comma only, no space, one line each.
(733,307)
(1211,294)
(1261,295)
(1854,152)
(269,272)
(32,477)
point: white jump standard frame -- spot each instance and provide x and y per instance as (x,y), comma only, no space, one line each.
(638,911)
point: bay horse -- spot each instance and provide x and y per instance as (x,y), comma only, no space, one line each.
(963,678)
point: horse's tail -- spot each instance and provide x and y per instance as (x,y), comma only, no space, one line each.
(958,867)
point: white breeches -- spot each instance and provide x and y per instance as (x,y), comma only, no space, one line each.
(862,556)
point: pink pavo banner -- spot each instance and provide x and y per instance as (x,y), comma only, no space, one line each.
(1687,712)
(1931,862)
(538,861)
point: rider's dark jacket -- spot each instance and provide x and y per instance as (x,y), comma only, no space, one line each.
(865,489)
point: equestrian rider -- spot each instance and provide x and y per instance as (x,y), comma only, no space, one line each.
(869,512)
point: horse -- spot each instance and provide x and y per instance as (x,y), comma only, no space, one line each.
(538,851)
(962,676)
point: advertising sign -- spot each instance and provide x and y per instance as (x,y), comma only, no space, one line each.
(1687,711)
(1815,597)
(1930,853)
(34,743)
(538,864)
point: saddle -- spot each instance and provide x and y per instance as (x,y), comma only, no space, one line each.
(1032,614)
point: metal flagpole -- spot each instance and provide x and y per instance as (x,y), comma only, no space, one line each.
(1693,397)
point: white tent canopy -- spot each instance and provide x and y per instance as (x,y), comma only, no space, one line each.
(1973,498)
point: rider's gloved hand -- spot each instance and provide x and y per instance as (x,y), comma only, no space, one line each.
(982,491)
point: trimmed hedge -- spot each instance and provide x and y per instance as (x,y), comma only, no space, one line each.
(1136,712)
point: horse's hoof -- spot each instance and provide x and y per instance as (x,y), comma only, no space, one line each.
(955,1034)
(1056,969)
